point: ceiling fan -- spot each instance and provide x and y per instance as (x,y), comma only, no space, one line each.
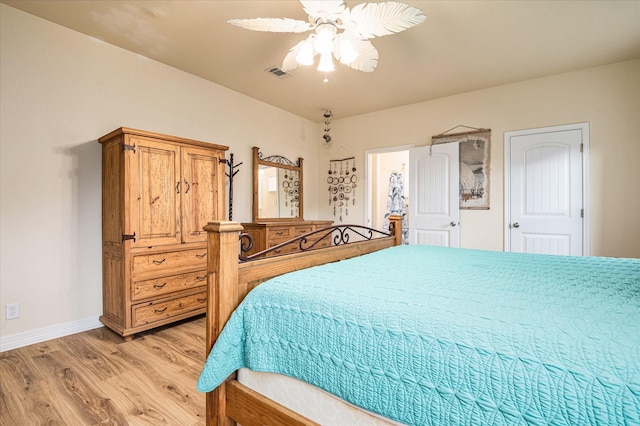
(338,31)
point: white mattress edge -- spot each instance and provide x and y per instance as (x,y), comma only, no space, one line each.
(308,400)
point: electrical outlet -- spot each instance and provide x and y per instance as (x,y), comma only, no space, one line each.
(13,310)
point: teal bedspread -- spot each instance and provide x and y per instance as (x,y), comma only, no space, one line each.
(436,336)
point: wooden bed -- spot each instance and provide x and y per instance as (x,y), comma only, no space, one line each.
(229,280)
(420,334)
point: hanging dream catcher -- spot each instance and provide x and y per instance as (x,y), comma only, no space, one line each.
(291,189)
(343,182)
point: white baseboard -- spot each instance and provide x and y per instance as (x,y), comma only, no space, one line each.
(27,338)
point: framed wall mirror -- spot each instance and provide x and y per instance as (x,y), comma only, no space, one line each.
(277,188)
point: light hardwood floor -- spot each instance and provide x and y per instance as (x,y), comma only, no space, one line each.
(95,378)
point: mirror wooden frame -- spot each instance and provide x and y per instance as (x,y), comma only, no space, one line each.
(280,162)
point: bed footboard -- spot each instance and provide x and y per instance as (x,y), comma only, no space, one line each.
(228,281)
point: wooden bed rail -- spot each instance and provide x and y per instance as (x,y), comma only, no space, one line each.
(228,282)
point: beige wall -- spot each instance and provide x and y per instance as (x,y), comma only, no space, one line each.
(606,97)
(60,92)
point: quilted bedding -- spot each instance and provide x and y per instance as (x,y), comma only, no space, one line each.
(437,336)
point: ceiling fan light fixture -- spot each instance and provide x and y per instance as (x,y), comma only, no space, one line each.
(326,63)
(324,38)
(305,55)
(356,25)
(348,53)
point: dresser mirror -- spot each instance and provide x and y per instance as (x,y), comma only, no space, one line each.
(277,188)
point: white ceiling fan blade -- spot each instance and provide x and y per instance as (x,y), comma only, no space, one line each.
(274,25)
(323,8)
(367,59)
(289,62)
(379,19)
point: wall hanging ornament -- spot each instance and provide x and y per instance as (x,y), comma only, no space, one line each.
(474,148)
(343,181)
(327,136)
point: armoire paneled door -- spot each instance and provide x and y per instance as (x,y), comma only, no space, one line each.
(158,192)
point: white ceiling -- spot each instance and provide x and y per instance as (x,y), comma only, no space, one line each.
(462,46)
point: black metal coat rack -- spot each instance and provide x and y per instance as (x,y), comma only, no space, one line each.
(230,175)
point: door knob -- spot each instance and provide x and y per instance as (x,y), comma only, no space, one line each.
(516,225)
(453,223)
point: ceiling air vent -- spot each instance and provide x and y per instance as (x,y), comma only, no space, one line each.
(277,72)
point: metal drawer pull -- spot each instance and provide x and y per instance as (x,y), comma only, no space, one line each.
(202,300)
(202,278)
(159,262)
(159,286)
(160,311)
(201,256)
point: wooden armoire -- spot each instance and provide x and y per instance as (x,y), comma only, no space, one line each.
(158,192)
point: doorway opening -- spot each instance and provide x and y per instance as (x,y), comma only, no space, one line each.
(380,165)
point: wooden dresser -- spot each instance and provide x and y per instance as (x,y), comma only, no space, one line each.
(158,192)
(267,234)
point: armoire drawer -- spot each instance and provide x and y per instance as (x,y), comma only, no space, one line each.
(169,260)
(146,313)
(156,287)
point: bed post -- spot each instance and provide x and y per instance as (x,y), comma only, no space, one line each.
(222,282)
(395,222)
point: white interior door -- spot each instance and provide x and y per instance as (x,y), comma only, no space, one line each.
(434,210)
(546,206)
